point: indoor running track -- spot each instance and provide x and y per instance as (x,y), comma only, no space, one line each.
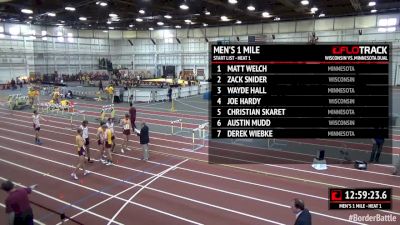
(192,193)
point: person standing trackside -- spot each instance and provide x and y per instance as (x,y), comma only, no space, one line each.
(85,136)
(36,126)
(81,153)
(144,140)
(18,209)
(303,216)
(170,94)
(377,147)
(132,113)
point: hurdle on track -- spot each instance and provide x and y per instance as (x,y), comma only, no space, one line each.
(272,142)
(173,125)
(199,141)
(107,110)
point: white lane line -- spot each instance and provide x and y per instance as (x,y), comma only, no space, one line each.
(152,179)
(88,188)
(49,196)
(118,194)
(282,167)
(148,188)
(124,156)
(197,201)
(202,153)
(183,168)
(34,220)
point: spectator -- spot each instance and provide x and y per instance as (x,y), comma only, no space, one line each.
(101,86)
(377,146)
(18,208)
(170,94)
(132,113)
(13,84)
(144,140)
(303,216)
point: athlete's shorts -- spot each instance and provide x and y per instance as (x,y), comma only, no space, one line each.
(82,152)
(87,141)
(127,132)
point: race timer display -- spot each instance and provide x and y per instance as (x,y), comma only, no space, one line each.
(360,198)
(300,91)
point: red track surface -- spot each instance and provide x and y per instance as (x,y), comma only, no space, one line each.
(195,192)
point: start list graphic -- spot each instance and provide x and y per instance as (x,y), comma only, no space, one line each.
(300,91)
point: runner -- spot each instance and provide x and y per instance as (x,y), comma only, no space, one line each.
(81,153)
(110,125)
(126,123)
(108,142)
(100,141)
(36,126)
(85,135)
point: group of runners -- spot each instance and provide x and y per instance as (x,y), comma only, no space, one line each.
(105,136)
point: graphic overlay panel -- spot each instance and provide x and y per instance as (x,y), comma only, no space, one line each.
(265,95)
(366,199)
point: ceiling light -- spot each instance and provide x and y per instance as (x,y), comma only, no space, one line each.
(51,14)
(232,1)
(26,11)
(108,22)
(44,33)
(90,25)
(62,21)
(168,16)
(142,11)
(204,24)
(184,7)
(69,8)
(111,28)
(277,18)
(113,15)
(322,15)
(188,21)
(30,17)
(114,19)
(304,2)
(314,9)
(374,11)
(130,25)
(265,14)
(82,18)
(224,18)
(151,28)
(160,23)
(139,19)
(238,22)
(371,4)
(207,13)
(178,27)
(102,3)
(251,8)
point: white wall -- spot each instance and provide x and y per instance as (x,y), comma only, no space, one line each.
(192,51)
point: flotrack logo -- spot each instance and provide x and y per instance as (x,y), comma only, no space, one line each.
(359,50)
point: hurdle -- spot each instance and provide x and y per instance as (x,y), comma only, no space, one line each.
(173,125)
(107,109)
(272,142)
(201,137)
